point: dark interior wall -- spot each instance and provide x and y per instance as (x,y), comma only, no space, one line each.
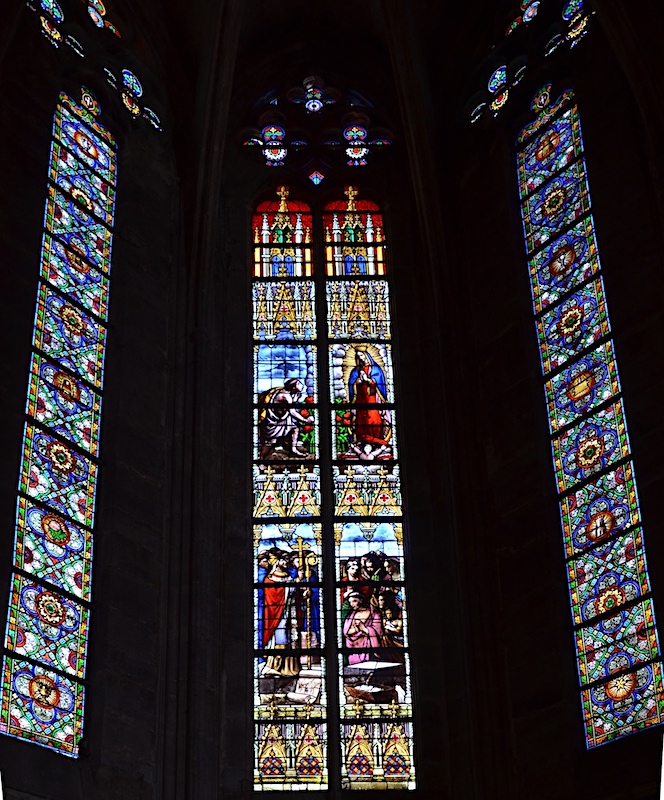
(498,713)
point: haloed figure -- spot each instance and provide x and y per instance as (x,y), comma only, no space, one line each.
(367,390)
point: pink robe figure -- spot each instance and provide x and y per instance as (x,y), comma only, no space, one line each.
(356,638)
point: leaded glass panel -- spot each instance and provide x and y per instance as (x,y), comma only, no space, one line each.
(41,706)
(616,643)
(70,336)
(552,150)
(286,491)
(292,422)
(292,685)
(284,310)
(73,276)
(579,388)
(600,508)
(371,490)
(91,192)
(358,309)
(624,704)
(46,626)
(609,576)
(590,446)
(361,373)
(65,405)
(284,369)
(374,681)
(290,755)
(563,264)
(577,323)
(56,475)
(52,548)
(377,755)
(82,142)
(554,206)
(381,542)
(78,229)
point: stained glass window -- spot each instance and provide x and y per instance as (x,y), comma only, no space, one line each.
(49,606)
(617,646)
(345,680)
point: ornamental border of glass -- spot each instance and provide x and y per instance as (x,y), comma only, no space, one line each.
(49,606)
(617,647)
(322,501)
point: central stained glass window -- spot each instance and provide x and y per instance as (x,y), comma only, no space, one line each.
(331,665)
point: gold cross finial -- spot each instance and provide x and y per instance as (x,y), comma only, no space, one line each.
(358,706)
(273,708)
(393,710)
(351,193)
(282,191)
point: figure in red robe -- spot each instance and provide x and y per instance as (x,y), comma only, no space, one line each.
(366,390)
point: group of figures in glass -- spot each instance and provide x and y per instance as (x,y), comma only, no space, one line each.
(369,632)
(617,647)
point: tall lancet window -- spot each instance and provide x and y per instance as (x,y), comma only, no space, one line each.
(330,628)
(617,648)
(46,636)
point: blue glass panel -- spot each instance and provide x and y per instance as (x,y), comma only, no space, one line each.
(600,508)
(575,324)
(84,144)
(554,206)
(590,446)
(563,264)
(74,277)
(78,229)
(552,150)
(87,189)
(356,541)
(284,368)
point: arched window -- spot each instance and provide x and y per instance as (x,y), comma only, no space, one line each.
(617,648)
(42,692)
(330,627)
(44,668)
